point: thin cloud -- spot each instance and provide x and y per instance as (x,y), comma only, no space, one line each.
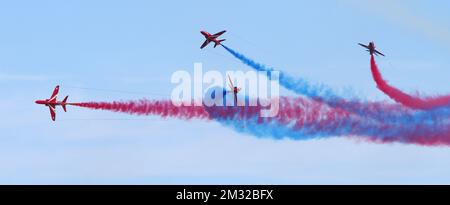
(403,15)
(21,77)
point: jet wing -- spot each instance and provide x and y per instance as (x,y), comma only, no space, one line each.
(379,52)
(363,45)
(231,83)
(55,94)
(205,44)
(218,34)
(52,112)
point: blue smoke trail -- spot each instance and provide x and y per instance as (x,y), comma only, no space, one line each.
(298,85)
(313,122)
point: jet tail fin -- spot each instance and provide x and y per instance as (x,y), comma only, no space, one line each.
(218,43)
(64,103)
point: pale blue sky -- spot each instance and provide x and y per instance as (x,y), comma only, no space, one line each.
(136,45)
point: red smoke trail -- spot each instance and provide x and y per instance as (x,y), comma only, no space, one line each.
(149,107)
(403,98)
(301,118)
(298,118)
(299,110)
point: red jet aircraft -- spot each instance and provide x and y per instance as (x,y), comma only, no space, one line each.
(209,37)
(233,90)
(371,48)
(51,103)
